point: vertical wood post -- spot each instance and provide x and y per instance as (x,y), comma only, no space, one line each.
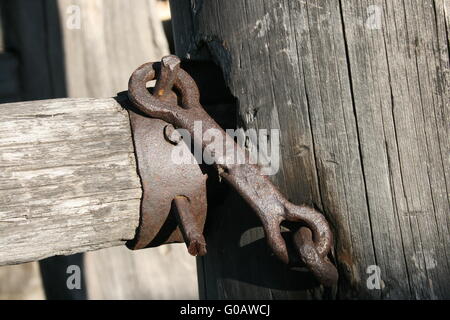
(359,92)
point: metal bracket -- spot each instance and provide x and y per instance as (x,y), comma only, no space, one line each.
(175,99)
(173,206)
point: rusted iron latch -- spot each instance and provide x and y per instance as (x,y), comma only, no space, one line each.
(313,239)
(173,206)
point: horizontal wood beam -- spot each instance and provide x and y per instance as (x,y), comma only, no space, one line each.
(68,178)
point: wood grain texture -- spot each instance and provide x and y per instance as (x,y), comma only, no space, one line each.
(167,272)
(21,282)
(114,38)
(32,46)
(360,93)
(68,180)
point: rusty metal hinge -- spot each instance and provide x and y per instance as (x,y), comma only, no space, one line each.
(180,189)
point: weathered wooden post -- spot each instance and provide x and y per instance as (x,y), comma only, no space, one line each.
(359,92)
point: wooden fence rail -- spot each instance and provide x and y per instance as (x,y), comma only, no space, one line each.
(68,179)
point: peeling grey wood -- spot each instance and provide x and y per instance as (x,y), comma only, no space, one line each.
(68,179)
(360,93)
